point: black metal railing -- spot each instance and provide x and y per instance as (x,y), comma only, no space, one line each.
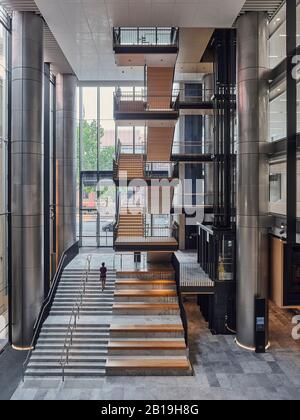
(183,315)
(188,148)
(146,37)
(216,253)
(116,225)
(161,170)
(140,102)
(67,256)
(194,95)
(133,148)
(156,231)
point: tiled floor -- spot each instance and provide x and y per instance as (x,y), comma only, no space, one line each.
(221,371)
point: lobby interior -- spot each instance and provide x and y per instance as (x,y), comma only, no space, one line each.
(160,138)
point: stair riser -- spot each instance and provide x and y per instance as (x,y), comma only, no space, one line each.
(83,327)
(86,309)
(45,360)
(70,293)
(91,282)
(72,374)
(85,304)
(89,287)
(89,300)
(82,313)
(141,276)
(151,352)
(145,287)
(147,372)
(133,335)
(80,356)
(76,336)
(145,312)
(74,347)
(60,341)
(147,299)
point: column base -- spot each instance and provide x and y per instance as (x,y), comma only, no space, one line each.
(242,346)
(17,348)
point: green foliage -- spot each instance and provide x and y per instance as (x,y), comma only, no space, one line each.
(89,148)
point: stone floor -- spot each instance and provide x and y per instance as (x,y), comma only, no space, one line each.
(11,363)
(221,371)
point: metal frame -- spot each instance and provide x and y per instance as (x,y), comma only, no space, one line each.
(47,172)
(292,250)
(9,221)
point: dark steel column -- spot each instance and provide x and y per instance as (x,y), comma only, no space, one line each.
(291,158)
(252,171)
(209,143)
(27,176)
(47,179)
(66,89)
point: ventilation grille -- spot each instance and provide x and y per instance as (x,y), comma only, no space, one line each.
(269,6)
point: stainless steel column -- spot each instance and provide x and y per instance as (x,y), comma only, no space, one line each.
(252,171)
(209,143)
(66,89)
(27,175)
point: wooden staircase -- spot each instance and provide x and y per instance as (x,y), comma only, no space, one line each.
(151,348)
(131,225)
(131,166)
(159,88)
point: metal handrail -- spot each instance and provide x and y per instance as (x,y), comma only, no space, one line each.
(121,256)
(32,346)
(64,360)
(146,37)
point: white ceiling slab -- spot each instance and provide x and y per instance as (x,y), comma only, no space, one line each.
(83,28)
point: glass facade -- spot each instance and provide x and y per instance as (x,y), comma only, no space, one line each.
(96,154)
(4,77)
(278,111)
(277,44)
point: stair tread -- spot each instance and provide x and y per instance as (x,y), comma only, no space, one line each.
(146,328)
(147,344)
(142,305)
(147,363)
(145,293)
(144,281)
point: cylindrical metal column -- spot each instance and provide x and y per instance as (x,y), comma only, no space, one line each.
(27,176)
(252,171)
(208,81)
(66,88)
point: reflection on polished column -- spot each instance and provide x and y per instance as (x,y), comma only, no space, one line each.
(27,175)
(252,171)
(66,88)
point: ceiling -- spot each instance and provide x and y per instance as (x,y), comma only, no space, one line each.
(269,6)
(78,33)
(83,29)
(53,53)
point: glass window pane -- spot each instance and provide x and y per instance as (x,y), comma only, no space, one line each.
(277,43)
(89,129)
(278,117)
(107,129)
